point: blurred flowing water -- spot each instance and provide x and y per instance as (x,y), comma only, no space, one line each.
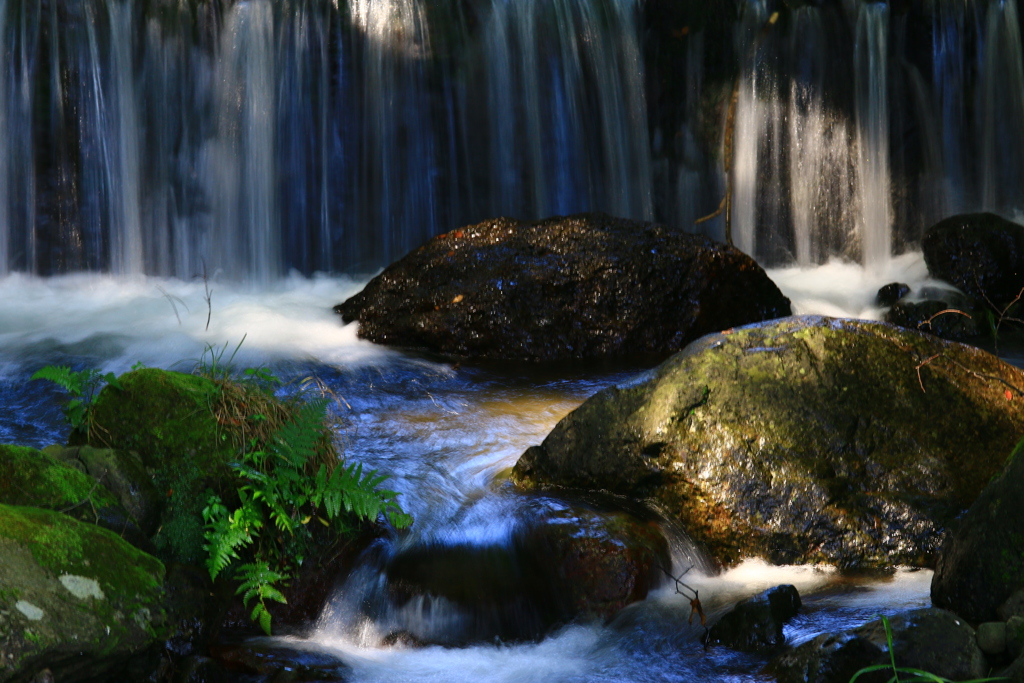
(252,137)
(151,150)
(444,433)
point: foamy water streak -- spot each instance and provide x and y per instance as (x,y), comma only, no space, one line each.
(847,290)
(162,322)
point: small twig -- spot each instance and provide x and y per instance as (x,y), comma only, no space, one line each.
(87,499)
(695,606)
(1002,313)
(928,322)
(920,365)
(207,296)
(171,299)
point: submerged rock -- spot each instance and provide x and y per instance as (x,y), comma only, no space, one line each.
(981,253)
(803,440)
(587,286)
(981,565)
(74,598)
(755,624)
(563,562)
(932,640)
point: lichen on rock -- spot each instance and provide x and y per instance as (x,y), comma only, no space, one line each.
(74,597)
(801,440)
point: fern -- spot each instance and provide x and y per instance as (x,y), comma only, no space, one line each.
(257,580)
(276,488)
(83,385)
(226,533)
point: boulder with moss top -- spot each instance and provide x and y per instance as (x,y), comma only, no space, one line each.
(74,598)
(806,439)
(168,419)
(587,286)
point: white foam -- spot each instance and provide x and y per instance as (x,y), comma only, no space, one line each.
(162,322)
(563,656)
(847,290)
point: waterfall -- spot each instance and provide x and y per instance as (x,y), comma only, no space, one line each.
(559,79)
(1002,111)
(5,151)
(243,155)
(247,138)
(871,78)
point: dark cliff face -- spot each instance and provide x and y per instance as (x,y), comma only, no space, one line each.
(587,286)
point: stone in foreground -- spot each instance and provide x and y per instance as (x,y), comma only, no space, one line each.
(932,640)
(982,564)
(587,286)
(803,440)
(74,598)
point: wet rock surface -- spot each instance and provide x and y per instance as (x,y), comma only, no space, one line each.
(891,293)
(587,286)
(563,562)
(803,440)
(981,566)
(935,317)
(269,662)
(932,640)
(980,253)
(755,624)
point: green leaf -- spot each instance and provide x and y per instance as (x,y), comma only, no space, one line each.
(265,620)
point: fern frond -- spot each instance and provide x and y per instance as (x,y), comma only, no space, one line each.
(226,533)
(258,581)
(62,376)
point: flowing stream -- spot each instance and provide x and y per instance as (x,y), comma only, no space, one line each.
(444,433)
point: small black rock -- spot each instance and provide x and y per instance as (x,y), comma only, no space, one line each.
(891,293)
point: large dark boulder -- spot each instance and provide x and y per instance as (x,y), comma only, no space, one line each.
(981,253)
(581,287)
(931,640)
(982,563)
(803,440)
(935,317)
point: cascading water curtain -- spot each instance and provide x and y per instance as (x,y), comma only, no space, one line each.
(247,138)
(568,116)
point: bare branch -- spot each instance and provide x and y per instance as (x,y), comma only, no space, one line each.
(920,365)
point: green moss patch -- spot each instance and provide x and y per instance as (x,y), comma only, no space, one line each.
(802,440)
(34,478)
(73,592)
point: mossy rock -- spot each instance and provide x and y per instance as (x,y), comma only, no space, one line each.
(123,474)
(35,479)
(168,419)
(74,598)
(806,439)
(982,564)
(163,416)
